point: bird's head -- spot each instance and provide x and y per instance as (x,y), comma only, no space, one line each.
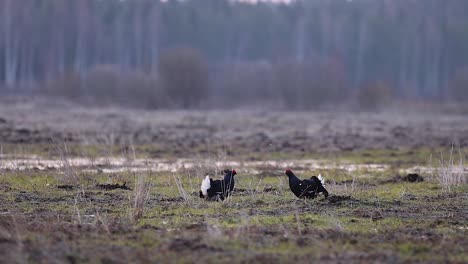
(228,171)
(289,172)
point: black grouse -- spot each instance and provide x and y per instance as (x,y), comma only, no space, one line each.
(218,189)
(308,188)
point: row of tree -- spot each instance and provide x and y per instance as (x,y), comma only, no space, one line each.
(418,48)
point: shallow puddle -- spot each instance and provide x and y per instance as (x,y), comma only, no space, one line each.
(119,164)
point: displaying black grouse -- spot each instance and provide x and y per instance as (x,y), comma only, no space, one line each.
(308,188)
(218,189)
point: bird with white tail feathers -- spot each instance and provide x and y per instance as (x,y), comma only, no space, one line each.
(308,188)
(218,189)
(322,180)
(205,185)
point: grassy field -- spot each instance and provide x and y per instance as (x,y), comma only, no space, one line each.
(85,201)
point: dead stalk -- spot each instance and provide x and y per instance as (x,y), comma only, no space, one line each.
(141,195)
(71,176)
(298,221)
(180,187)
(77,211)
(103,220)
(450,173)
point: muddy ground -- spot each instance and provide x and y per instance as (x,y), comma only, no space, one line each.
(183,133)
(84,185)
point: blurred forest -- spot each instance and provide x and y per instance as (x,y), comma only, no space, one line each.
(197,53)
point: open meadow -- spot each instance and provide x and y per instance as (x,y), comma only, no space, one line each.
(86,185)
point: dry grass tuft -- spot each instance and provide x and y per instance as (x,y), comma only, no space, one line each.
(180,187)
(451,172)
(69,172)
(140,197)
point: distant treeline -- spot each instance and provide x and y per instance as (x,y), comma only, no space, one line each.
(187,53)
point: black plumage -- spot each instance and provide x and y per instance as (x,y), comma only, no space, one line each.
(308,188)
(218,189)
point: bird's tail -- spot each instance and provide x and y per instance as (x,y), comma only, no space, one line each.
(322,180)
(205,185)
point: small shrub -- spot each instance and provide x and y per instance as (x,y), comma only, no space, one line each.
(374,96)
(458,87)
(310,86)
(184,76)
(107,84)
(244,83)
(67,85)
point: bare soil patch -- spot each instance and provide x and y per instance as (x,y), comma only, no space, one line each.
(182,134)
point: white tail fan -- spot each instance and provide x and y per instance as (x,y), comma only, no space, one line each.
(205,185)
(322,180)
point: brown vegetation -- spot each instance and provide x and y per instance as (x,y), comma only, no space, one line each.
(374,96)
(459,86)
(184,76)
